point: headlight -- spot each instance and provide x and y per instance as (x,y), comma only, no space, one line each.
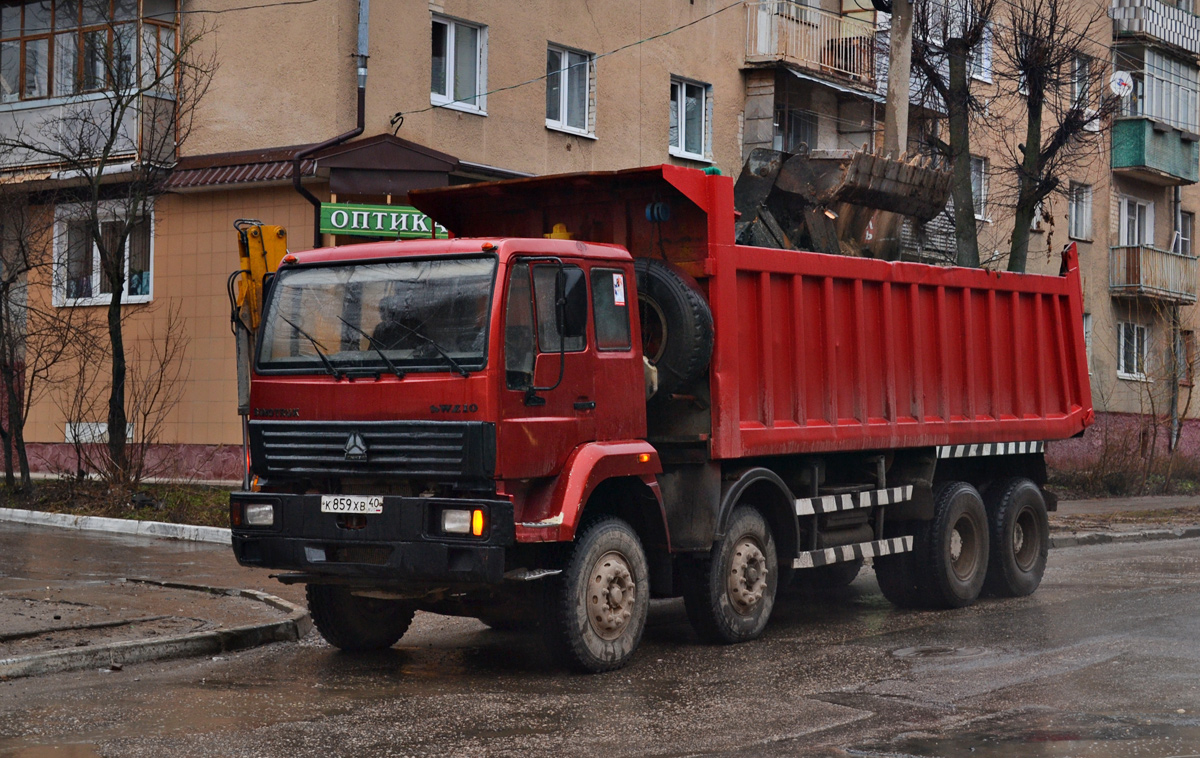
(456,522)
(259,514)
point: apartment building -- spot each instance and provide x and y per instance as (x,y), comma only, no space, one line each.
(470,90)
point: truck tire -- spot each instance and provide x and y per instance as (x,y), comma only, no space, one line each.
(596,609)
(677,325)
(357,624)
(1020,538)
(730,593)
(952,549)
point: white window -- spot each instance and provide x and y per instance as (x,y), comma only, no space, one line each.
(1131,350)
(1081,75)
(78,278)
(980,63)
(1137,222)
(979,186)
(689,120)
(1079,211)
(458,75)
(569,90)
(1087,339)
(1187,231)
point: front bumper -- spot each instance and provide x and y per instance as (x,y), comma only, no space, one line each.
(402,545)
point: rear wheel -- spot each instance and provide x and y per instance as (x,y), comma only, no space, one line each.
(597,607)
(1020,538)
(952,551)
(356,624)
(730,593)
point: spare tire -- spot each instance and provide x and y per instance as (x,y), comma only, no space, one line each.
(677,324)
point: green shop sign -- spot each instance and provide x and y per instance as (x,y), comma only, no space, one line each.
(391,221)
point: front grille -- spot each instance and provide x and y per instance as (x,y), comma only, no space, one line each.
(439,450)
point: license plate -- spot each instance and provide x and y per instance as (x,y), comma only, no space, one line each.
(351,504)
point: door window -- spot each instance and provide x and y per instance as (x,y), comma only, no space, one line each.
(610,303)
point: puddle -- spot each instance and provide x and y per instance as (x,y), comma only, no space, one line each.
(1058,736)
(940,651)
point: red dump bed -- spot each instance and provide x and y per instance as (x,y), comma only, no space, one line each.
(821,352)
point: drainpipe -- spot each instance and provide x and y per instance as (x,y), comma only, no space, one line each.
(364,25)
(1173,315)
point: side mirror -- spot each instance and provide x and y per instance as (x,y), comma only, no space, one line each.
(574,303)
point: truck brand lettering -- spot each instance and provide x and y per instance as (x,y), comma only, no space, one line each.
(472,408)
(277,412)
(390,221)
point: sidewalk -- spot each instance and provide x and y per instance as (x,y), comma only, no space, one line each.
(71,600)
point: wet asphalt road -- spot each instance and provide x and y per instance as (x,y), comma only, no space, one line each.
(1102,661)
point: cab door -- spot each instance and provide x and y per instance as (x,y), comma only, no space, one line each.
(548,407)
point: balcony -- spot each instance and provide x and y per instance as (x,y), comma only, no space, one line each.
(1158,22)
(1155,152)
(1144,271)
(812,39)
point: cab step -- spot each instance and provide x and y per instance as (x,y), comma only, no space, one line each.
(872,549)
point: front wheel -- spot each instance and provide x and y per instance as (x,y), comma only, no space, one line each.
(597,608)
(729,594)
(357,624)
(1020,538)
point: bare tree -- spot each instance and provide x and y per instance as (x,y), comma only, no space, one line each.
(946,36)
(1049,63)
(117,148)
(35,338)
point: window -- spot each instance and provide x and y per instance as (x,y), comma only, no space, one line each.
(1079,211)
(59,48)
(1131,350)
(979,186)
(610,305)
(1165,89)
(568,90)
(1087,340)
(1187,230)
(980,63)
(458,74)
(689,120)
(1137,222)
(78,277)
(1081,74)
(531,320)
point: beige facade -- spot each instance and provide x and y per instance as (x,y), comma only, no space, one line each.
(759,74)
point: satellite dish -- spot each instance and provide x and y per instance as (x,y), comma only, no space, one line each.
(1121,83)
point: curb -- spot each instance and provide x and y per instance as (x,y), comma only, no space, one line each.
(1104,538)
(294,627)
(120,526)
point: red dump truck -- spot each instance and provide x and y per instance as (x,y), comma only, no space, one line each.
(590,396)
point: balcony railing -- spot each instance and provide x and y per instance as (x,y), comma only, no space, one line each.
(1157,21)
(811,38)
(1142,270)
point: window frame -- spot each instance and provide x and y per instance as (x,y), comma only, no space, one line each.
(979,63)
(63,216)
(1187,232)
(1141,348)
(447,99)
(1079,200)
(679,149)
(560,124)
(1087,340)
(1145,221)
(592,275)
(53,36)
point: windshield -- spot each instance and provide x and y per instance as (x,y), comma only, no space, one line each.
(419,315)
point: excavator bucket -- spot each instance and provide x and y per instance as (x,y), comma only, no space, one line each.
(825,199)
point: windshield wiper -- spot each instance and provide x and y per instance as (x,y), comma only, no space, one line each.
(375,346)
(436,347)
(320,353)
